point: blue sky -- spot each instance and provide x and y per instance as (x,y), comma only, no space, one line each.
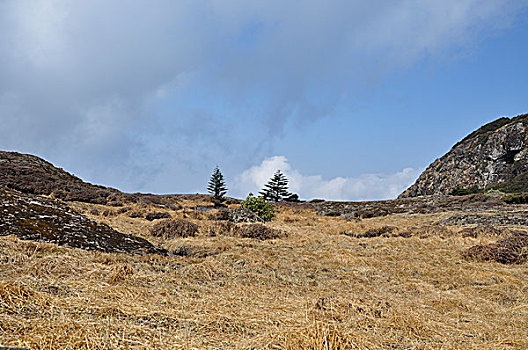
(351,99)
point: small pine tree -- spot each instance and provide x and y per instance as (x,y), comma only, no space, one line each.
(277,188)
(259,206)
(217,185)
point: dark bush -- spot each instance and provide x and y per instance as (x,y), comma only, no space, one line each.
(373,232)
(457,191)
(229,201)
(516,198)
(157,215)
(316,200)
(292,198)
(515,185)
(258,231)
(123,210)
(174,228)
(135,214)
(183,250)
(511,250)
(194,252)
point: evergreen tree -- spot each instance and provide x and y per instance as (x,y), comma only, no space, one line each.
(277,188)
(217,185)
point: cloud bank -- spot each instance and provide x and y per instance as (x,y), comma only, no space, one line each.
(133,93)
(364,187)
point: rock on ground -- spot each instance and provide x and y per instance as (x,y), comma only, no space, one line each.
(44,219)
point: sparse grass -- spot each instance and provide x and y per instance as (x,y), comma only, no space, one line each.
(312,288)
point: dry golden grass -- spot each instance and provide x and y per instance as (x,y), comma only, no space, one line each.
(313,288)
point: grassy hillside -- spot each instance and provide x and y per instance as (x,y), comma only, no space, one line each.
(324,283)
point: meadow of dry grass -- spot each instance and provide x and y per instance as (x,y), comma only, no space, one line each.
(314,287)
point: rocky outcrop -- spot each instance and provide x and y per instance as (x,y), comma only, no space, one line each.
(494,156)
(238,215)
(44,219)
(419,205)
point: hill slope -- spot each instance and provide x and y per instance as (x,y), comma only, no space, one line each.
(30,216)
(493,156)
(31,174)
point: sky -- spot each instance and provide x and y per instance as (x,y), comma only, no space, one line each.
(350,99)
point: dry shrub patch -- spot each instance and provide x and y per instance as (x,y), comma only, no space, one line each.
(373,232)
(511,250)
(157,215)
(258,231)
(172,228)
(135,214)
(195,252)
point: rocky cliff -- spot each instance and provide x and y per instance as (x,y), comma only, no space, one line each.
(493,157)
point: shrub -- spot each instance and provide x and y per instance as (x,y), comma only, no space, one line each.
(510,250)
(135,214)
(258,231)
(259,206)
(174,228)
(516,198)
(457,191)
(516,185)
(373,232)
(157,215)
(292,198)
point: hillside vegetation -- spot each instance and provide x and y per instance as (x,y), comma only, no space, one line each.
(313,286)
(424,273)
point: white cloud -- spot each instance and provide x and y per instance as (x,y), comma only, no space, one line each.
(363,187)
(84,82)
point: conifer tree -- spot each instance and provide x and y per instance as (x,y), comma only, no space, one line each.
(277,188)
(217,185)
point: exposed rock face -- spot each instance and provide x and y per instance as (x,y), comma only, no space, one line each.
(43,219)
(238,215)
(494,156)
